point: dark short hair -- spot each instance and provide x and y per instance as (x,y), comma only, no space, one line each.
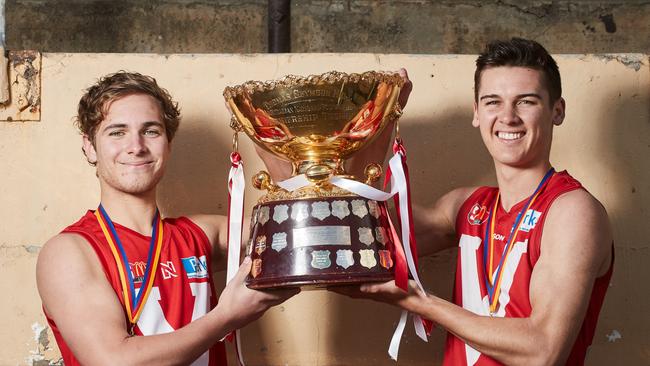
(94,104)
(519,52)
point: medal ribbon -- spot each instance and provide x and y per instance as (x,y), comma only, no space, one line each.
(494,287)
(132,303)
(236,187)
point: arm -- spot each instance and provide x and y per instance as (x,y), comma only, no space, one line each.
(572,257)
(215,228)
(435,227)
(76,294)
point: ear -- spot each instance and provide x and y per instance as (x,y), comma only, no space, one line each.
(89,150)
(475,121)
(559,111)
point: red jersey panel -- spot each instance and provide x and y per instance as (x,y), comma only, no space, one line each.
(470,289)
(182,290)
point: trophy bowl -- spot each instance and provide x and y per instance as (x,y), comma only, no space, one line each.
(318,234)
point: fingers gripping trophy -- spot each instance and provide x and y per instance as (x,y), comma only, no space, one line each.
(322,227)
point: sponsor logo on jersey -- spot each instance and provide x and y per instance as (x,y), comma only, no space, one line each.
(498,237)
(195,267)
(137,271)
(477,214)
(530,220)
(168,270)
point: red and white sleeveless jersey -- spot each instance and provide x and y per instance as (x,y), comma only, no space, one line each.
(470,289)
(182,290)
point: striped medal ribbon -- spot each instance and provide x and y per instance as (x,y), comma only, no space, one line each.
(493,282)
(133,303)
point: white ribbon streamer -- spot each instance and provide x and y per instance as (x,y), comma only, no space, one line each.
(235,218)
(236,186)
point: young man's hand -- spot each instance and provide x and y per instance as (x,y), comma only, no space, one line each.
(241,305)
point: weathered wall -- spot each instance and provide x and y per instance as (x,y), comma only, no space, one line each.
(604,142)
(401,26)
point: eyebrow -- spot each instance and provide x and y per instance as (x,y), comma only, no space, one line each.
(525,95)
(124,125)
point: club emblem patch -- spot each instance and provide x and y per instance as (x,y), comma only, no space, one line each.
(385,260)
(260,244)
(256,268)
(477,214)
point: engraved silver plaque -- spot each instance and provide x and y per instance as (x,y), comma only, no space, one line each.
(344,258)
(340,209)
(381,235)
(321,235)
(359,208)
(279,241)
(320,259)
(373,208)
(263,215)
(320,210)
(365,235)
(299,211)
(368,259)
(280,213)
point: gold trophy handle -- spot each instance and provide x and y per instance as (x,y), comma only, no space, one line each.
(262,181)
(373,172)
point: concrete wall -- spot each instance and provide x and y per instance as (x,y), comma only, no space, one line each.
(604,142)
(401,26)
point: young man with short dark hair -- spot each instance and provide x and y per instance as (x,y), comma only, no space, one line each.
(535,253)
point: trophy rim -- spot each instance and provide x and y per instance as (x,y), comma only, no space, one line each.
(330,77)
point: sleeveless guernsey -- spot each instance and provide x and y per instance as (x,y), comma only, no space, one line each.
(470,289)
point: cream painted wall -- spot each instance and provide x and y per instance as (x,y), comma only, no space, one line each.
(604,142)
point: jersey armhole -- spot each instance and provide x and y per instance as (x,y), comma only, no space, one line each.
(196,229)
(536,251)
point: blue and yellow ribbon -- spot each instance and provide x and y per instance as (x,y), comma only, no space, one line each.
(132,303)
(494,287)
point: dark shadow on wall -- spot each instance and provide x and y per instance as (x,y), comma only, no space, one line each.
(625,144)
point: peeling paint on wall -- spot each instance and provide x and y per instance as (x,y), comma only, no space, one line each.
(633,61)
(614,336)
(37,356)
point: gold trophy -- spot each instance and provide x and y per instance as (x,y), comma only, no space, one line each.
(312,229)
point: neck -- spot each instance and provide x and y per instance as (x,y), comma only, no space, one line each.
(517,184)
(133,211)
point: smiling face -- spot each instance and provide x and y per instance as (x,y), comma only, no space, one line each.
(130,147)
(516,116)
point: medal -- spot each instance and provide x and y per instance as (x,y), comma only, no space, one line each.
(133,303)
(493,283)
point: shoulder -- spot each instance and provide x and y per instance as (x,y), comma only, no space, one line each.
(577,222)
(451,202)
(64,260)
(215,227)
